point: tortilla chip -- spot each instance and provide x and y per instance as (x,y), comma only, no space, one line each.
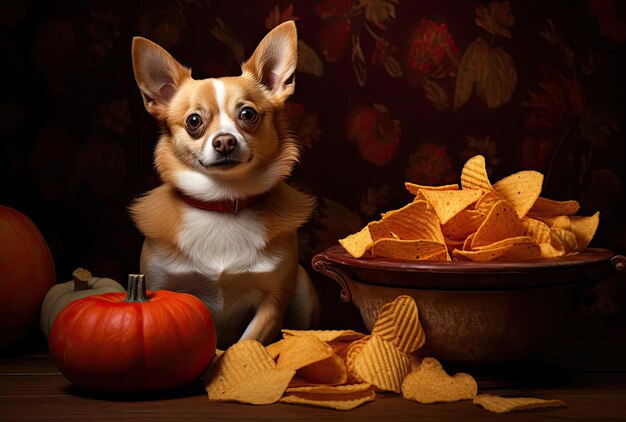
(521,190)
(326,335)
(243,372)
(342,401)
(487,201)
(415,221)
(328,389)
(353,351)
(463,224)
(330,371)
(382,365)
(521,248)
(406,249)
(499,404)
(501,223)
(398,323)
(544,207)
(275,349)
(563,240)
(584,228)
(537,230)
(265,387)
(448,203)
(429,383)
(414,189)
(474,174)
(357,244)
(301,351)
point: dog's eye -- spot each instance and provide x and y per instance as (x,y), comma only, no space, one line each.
(248,115)
(193,122)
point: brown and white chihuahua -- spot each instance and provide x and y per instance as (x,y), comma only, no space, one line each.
(222,226)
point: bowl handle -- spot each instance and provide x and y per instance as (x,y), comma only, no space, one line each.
(619,262)
(324,266)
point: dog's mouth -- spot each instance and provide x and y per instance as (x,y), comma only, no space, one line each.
(223,163)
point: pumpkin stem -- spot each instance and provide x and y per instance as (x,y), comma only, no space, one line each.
(81,279)
(136,289)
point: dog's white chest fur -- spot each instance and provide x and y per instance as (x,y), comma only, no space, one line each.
(225,243)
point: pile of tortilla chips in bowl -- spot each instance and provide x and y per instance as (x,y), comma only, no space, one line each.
(498,272)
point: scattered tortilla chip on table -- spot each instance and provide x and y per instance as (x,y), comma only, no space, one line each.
(430,383)
(382,365)
(499,404)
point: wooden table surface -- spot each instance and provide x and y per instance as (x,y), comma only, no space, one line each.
(589,375)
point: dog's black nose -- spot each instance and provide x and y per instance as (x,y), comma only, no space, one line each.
(224,144)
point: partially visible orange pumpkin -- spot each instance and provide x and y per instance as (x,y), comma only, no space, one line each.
(26,274)
(139,341)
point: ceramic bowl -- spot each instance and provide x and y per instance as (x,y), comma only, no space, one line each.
(476,313)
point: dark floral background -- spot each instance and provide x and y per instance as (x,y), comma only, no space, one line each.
(387,91)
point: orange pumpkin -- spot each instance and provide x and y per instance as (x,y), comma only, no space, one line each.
(139,341)
(26,274)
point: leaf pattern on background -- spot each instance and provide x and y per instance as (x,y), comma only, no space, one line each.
(490,71)
(342,25)
(384,55)
(551,120)
(379,12)
(469,71)
(375,132)
(495,19)
(430,165)
(334,34)
(559,102)
(305,125)
(436,94)
(485,67)
(358,60)
(432,52)
(497,78)
(308,60)
(275,17)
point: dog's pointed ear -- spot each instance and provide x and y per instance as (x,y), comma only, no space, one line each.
(158,75)
(274,61)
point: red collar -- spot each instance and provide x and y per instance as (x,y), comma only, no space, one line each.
(226,205)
